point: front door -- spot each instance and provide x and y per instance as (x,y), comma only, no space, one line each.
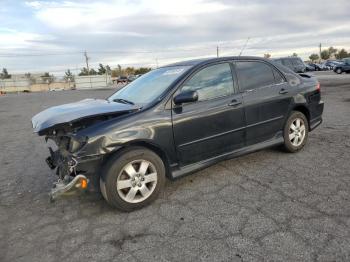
(215,123)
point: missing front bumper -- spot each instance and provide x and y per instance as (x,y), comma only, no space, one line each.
(61,188)
(67,167)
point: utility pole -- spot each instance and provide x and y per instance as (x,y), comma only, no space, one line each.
(87,66)
(157,62)
(217,51)
(87,62)
(320,50)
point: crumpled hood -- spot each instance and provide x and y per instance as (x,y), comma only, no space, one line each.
(76,111)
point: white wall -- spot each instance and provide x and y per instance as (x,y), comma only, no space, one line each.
(92,82)
(14,83)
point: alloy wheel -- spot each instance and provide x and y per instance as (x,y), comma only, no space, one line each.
(137,181)
(297,132)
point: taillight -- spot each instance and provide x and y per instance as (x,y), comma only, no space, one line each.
(318,87)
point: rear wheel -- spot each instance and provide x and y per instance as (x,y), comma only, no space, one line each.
(132,179)
(295,132)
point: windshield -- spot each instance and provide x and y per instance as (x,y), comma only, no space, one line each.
(149,87)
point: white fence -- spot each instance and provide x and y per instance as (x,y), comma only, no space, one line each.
(92,82)
(15,84)
(41,84)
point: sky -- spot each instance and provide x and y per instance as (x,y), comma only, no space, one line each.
(38,36)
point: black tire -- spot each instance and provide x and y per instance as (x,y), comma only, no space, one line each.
(115,166)
(288,143)
(339,71)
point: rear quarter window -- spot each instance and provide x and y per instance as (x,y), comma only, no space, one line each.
(278,77)
(292,79)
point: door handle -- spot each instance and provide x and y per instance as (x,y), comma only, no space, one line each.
(283,91)
(235,102)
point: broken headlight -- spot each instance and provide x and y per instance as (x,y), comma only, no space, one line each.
(75,144)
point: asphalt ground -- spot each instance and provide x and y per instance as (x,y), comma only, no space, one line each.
(265,206)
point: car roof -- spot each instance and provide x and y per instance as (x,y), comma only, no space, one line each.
(203,61)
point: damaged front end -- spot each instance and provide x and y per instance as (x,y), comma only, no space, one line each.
(70,177)
(71,154)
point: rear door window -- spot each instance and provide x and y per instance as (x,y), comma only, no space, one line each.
(254,74)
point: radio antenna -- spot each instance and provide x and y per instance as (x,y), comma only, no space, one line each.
(244,46)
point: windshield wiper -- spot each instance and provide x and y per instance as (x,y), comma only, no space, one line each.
(124,101)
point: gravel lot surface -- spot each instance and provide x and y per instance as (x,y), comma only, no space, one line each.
(266,206)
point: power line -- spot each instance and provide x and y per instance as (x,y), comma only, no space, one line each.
(106,52)
(31,54)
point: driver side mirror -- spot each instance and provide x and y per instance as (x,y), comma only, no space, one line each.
(186,97)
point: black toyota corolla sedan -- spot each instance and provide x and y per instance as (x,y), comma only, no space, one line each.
(176,120)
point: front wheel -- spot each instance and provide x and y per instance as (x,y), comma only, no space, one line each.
(132,179)
(295,132)
(338,71)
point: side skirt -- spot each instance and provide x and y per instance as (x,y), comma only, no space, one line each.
(278,139)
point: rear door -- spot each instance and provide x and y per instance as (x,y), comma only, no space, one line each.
(266,99)
(213,125)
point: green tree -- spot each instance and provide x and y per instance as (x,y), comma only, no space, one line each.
(142,70)
(101,69)
(116,71)
(295,54)
(332,51)
(93,72)
(47,77)
(83,72)
(5,74)
(30,77)
(129,71)
(267,56)
(325,54)
(68,76)
(104,69)
(314,57)
(342,54)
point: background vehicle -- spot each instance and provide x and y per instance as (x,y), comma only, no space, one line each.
(344,67)
(317,67)
(310,67)
(190,115)
(330,64)
(131,78)
(122,80)
(294,63)
(56,89)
